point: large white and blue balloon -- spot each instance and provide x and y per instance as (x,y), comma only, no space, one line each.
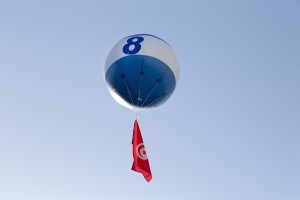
(141,71)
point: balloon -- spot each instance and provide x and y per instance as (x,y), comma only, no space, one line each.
(141,71)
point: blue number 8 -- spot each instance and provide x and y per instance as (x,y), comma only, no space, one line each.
(136,42)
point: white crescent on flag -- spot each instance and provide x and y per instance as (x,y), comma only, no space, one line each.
(141,151)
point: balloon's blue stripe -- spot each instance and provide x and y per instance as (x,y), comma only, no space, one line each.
(142,81)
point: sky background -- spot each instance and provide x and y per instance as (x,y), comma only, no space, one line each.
(230,131)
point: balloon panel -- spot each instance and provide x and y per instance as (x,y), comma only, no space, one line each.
(148,46)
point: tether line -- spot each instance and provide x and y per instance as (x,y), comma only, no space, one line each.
(156,84)
(123,77)
(141,78)
(139,95)
(158,98)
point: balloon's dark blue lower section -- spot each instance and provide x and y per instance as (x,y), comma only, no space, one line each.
(142,81)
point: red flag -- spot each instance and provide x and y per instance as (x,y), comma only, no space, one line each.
(140,159)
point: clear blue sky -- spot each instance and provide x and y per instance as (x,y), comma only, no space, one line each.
(231,130)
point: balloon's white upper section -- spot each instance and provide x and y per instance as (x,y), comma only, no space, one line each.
(151,46)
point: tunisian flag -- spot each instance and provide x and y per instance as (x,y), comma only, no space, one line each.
(140,159)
